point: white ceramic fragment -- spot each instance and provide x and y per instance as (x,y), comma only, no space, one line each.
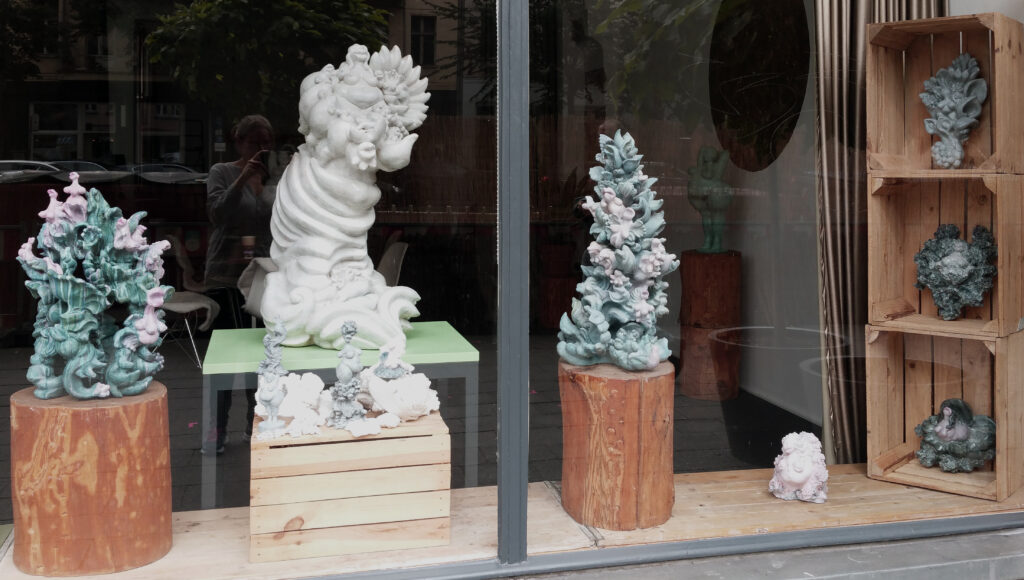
(800,471)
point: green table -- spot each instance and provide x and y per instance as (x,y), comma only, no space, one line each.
(233,356)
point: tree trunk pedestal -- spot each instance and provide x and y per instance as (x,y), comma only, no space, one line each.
(617,445)
(91,482)
(711,309)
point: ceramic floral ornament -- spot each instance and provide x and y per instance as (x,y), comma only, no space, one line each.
(345,406)
(615,319)
(396,389)
(953,97)
(958,273)
(92,258)
(800,471)
(356,120)
(956,439)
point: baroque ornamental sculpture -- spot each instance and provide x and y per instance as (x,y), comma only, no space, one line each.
(957,273)
(953,98)
(800,471)
(956,439)
(615,319)
(356,120)
(710,196)
(92,258)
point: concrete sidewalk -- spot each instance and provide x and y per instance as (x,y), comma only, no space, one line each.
(991,555)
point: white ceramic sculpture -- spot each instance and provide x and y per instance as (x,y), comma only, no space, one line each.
(800,471)
(307,403)
(396,389)
(356,119)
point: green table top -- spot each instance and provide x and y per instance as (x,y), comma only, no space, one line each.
(240,350)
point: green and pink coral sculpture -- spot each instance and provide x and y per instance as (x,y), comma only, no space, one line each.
(92,258)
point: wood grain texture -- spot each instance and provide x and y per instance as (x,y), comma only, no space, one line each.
(709,367)
(1008,295)
(980,210)
(710,287)
(617,445)
(917,362)
(91,482)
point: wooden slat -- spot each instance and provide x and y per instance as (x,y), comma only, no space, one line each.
(948,371)
(978,385)
(913,233)
(978,147)
(350,540)
(1009,299)
(431,424)
(1005,90)
(884,89)
(952,204)
(929,220)
(974,484)
(322,486)
(918,69)
(885,276)
(332,457)
(349,511)
(1008,413)
(979,213)
(884,376)
(920,324)
(918,380)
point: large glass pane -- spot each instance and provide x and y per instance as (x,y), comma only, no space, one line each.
(719,99)
(146,101)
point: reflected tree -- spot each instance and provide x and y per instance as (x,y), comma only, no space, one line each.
(240,57)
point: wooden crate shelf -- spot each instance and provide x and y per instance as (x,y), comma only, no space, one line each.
(332,494)
(902,55)
(905,212)
(908,377)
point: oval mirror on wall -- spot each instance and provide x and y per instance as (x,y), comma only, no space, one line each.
(760,55)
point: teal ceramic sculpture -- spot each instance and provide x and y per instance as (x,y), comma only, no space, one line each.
(953,98)
(93,258)
(956,439)
(345,408)
(709,195)
(615,319)
(957,273)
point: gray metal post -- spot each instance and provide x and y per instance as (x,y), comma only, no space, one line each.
(513,276)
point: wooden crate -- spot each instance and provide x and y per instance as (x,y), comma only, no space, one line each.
(332,494)
(902,55)
(905,212)
(909,375)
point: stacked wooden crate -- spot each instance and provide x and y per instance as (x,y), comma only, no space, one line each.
(333,494)
(915,358)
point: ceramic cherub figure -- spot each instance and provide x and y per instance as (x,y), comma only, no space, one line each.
(356,120)
(800,471)
(710,196)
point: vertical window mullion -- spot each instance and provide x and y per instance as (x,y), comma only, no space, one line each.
(513,278)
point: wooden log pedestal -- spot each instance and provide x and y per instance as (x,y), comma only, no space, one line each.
(91,482)
(710,357)
(617,445)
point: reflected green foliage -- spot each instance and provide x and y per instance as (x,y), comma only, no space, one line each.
(92,258)
(239,56)
(953,98)
(956,439)
(30,28)
(615,319)
(957,273)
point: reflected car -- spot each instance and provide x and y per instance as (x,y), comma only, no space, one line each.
(78,166)
(162,168)
(26,165)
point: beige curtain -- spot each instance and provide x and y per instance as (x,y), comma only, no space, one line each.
(842,225)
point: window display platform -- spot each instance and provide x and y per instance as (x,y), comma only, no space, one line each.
(434,348)
(215,543)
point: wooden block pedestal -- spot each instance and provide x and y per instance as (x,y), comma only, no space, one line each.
(617,445)
(332,494)
(91,482)
(710,357)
